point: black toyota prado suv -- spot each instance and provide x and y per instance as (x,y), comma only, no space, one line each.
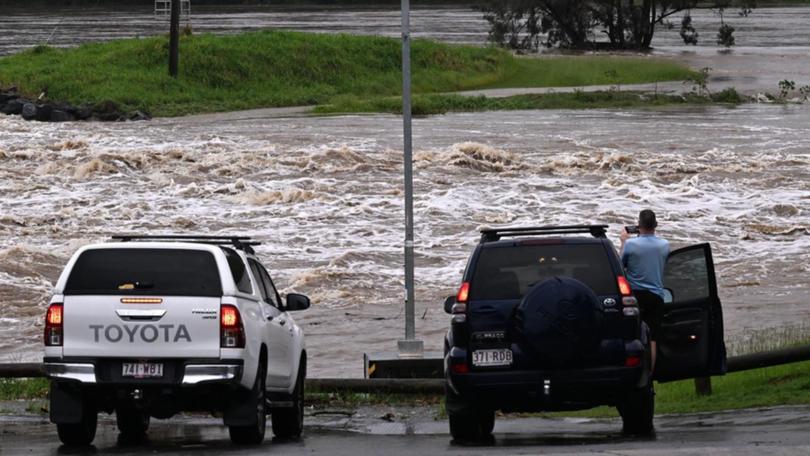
(545,321)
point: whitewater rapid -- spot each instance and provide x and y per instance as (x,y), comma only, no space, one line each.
(324,195)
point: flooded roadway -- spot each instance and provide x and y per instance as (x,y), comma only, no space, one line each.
(324,194)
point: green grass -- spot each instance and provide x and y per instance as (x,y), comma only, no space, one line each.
(28,388)
(576,71)
(275,69)
(778,385)
(773,386)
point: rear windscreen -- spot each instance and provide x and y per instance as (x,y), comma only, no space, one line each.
(509,272)
(145,272)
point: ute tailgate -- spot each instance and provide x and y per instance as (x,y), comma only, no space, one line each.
(111,326)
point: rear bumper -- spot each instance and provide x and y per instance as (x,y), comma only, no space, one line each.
(529,390)
(550,390)
(81,372)
(203,373)
(107,371)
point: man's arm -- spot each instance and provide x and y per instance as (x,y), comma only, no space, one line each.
(624,237)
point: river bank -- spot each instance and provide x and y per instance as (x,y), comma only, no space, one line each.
(280,69)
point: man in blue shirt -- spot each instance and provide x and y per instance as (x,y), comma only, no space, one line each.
(643,258)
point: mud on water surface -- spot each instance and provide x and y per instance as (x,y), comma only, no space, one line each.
(324,195)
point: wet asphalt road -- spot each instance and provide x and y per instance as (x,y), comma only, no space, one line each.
(775,431)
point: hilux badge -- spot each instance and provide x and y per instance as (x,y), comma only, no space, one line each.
(609,302)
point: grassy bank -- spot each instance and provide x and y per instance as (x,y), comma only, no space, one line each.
(275,69)
(768,387)
(439,104)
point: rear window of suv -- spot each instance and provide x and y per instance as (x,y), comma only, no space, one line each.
(508,272)
(145,272)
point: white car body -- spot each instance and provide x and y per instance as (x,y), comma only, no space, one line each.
(102,332)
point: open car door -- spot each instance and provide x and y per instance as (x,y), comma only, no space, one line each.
(691,341)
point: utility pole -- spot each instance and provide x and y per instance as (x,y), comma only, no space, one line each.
(409,347)
(174,38)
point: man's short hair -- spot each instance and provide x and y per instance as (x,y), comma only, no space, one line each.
(646,220)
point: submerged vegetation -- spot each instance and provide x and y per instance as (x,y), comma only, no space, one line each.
(277,69)
(441,104)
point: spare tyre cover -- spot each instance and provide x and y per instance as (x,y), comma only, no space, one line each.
(558,322)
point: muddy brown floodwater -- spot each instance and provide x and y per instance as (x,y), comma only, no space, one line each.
(324,195)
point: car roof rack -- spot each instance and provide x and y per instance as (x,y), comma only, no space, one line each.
(244,243)
(495,234)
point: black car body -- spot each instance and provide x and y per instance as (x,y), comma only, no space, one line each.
(490,365)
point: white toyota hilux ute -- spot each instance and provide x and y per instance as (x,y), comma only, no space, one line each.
(149,326)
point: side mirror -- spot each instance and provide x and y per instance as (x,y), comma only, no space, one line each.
(669,296)
(296,302)
(449,303)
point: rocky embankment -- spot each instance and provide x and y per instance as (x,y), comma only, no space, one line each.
(44,110)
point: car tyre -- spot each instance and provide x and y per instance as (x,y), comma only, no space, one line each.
(288,422)
(637,411)
(254,434)
(474,426)
(132,423)
(468,423)
(81,433)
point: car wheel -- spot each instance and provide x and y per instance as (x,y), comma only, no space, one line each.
(473,426)
(289,422)
(637,411)
(131,422)
(253,434)
(81,433)
(468,423)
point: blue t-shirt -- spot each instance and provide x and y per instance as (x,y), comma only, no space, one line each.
(643,259)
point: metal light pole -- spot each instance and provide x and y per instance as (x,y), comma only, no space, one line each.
(409,346)
(174,37)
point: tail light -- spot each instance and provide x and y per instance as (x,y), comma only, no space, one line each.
(232,331)
(459,319)
(463,293)
(459,310)
(460,368)
(54,323)
(632,361)
(628,300)
(624,286)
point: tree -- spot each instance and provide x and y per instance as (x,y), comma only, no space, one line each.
(518,24)
(627,24)
(631,24)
